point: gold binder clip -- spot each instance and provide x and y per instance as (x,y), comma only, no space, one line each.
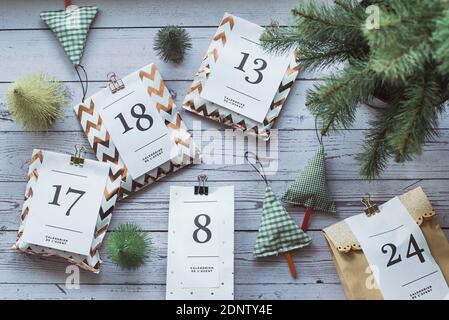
(115,83)
(77,159)
(202,188)
(371,207)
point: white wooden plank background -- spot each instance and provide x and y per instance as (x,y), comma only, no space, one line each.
(126,29)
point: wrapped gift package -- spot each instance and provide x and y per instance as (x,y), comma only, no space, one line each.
(352,265)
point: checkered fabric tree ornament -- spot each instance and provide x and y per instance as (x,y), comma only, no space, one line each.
(278,232)
(310,189)
(71,26)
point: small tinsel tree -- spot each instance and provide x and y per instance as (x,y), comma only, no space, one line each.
(36,101)
(172,43)
(403,61)
(128,246)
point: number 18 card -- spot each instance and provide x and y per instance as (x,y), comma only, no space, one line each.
(134,123)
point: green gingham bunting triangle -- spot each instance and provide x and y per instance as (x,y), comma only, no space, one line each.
(309,189)
(278,233)
(71,26)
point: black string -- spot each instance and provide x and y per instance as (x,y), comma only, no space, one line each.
(86,81)
(261,172)
(85,75)
(318,135)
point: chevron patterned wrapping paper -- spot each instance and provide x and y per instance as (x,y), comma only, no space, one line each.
(105,149)
(89,262)
(193,101)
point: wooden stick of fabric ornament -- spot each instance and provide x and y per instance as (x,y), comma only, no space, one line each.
(278,233)
(310,188)
(71,26)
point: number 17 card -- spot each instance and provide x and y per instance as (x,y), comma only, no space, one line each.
(68,207)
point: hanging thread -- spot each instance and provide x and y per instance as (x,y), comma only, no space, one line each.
(318,135)
(86,81)
(261,172)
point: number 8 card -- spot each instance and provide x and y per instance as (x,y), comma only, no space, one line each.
(240,84)
(134,123)
(200,263)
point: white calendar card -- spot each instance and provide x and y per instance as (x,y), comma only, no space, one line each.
(200,258)
(137,129)
(135,124)
(246,77)
(65,202)
(398,254)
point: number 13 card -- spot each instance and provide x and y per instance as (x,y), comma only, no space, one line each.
(239,84)
(246,78)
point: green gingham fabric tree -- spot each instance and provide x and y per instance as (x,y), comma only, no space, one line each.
(310,188)
(71,26)
(278,233)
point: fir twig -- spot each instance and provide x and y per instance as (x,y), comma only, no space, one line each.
(416,118)
(128,246)
(404,63)
(440,38)
(172,43)
(334,102)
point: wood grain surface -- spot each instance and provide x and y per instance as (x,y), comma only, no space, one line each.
(121,40)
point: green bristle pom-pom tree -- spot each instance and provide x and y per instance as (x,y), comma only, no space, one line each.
(172,43)
(36,101)
(128,246)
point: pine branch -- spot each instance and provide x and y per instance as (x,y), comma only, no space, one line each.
(401,47)
(311,56)
(416,118)
(376,151)
(320,32)
(345,5)
(405,63)
(440,38)
(335,101)
(400,65)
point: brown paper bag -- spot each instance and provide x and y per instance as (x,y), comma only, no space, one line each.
(352,266)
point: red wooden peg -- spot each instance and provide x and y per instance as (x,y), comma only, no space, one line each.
(305,221)
(291,265)
(67,3)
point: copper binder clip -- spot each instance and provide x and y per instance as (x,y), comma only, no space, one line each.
(115,83)
(371,207)
(202,188)
(77,159)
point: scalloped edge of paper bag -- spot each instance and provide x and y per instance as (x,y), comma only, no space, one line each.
(416,202)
